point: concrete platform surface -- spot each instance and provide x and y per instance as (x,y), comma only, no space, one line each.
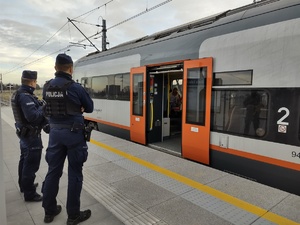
(127,183)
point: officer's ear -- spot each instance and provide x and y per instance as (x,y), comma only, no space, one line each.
(71,70)
(32,83)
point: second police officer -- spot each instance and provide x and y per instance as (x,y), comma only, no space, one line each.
(28,114)
(66,102)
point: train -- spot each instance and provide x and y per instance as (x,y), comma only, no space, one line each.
(237,76)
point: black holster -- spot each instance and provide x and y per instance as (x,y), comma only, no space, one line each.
(22,132)
(27,131)
(87,133)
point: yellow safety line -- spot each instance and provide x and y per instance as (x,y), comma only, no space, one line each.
(211,191)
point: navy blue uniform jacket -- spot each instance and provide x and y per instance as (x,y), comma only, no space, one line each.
(77,94)
(30,106)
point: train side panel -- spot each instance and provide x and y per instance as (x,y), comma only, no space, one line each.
(271,51)
(254,52)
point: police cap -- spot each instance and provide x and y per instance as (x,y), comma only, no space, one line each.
(28,74)
(63,59)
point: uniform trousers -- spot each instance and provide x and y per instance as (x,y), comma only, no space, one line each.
(64,143)
(29,163)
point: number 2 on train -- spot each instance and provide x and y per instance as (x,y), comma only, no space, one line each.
(287,113)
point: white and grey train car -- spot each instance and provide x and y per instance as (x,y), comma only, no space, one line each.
(238,75)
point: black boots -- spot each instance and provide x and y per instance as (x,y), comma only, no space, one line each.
(49,217)
(84,215)
(35,198)
(72,220)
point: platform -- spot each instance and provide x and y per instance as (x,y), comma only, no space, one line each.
(127,183)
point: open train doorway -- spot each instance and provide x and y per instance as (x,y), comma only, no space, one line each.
(165,107)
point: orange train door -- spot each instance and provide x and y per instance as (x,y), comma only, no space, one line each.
(138,105)
(197,85)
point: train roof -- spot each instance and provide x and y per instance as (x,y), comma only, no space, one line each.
(197,23)
(241,13)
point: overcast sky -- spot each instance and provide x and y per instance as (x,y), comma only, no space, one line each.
(33,32)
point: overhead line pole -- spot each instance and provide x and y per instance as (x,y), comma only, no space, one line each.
(104,41)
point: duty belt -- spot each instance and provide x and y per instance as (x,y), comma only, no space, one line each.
(75,126)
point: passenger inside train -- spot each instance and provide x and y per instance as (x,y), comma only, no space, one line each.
(175,103)
(253,107)
(175,113)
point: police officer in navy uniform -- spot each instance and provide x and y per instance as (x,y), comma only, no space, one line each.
(66,101)
(28,114)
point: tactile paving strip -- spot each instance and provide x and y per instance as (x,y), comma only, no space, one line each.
(132,167)
(127,211)
(214,205)
(220,208)
(261,221)
(167,183)
(154,177)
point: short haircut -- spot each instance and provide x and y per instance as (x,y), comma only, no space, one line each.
(26,81)
(63,67)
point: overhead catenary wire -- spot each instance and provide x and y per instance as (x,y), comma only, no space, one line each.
(19,66)
(130,18)
(141,13)
(93,9)
(84,35)
(46,56)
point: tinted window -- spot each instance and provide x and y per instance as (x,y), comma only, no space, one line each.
(122,87)
(196,92)
(99,87)
(138,94)
(113,87)
(240,112)
(233,78)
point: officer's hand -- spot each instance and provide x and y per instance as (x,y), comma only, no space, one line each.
(46,128)
(82,109)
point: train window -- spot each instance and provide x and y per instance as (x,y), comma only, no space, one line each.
(138,86)
(233,78)
(86,83)
(99,87)
(242,112)
(196,92)
(111,87)
(122,87)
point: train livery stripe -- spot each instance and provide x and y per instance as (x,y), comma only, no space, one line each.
(264,159)
(265,214)
(259,158)
(107,123)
